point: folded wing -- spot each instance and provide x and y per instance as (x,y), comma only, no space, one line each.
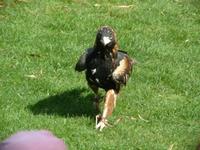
(82,62)
(122,72)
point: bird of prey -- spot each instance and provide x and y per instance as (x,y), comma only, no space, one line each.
(106,67)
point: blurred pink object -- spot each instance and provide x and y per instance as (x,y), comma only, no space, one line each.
(33,140)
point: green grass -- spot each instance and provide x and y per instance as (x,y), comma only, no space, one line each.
(45,38)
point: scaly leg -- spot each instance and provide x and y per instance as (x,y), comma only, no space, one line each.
(110,103)
(96,97)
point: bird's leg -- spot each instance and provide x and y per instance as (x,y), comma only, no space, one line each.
(96,97)
(110,103)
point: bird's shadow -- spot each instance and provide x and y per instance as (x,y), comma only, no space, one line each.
(71,103)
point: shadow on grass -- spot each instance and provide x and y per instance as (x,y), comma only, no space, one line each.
(75,102)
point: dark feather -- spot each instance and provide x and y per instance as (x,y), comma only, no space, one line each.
(81,65)
(106,66)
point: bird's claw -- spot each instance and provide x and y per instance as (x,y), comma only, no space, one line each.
(100,125)
(101,122)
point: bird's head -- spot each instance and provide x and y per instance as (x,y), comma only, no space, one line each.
(106,39)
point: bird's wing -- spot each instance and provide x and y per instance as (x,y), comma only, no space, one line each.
(81,64)
(124,68)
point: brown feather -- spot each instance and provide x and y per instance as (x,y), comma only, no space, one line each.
(123,71)
(110,103)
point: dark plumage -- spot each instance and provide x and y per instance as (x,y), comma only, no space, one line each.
(106,67)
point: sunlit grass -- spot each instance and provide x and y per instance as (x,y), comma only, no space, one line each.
(40,42)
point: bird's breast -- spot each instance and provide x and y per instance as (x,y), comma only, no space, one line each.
(99,71)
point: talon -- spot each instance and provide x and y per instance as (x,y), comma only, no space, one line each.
(101,123)
(98,118)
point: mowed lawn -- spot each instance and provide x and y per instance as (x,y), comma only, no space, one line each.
(40,42)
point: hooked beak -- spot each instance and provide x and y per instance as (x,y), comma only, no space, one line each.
(105,40)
